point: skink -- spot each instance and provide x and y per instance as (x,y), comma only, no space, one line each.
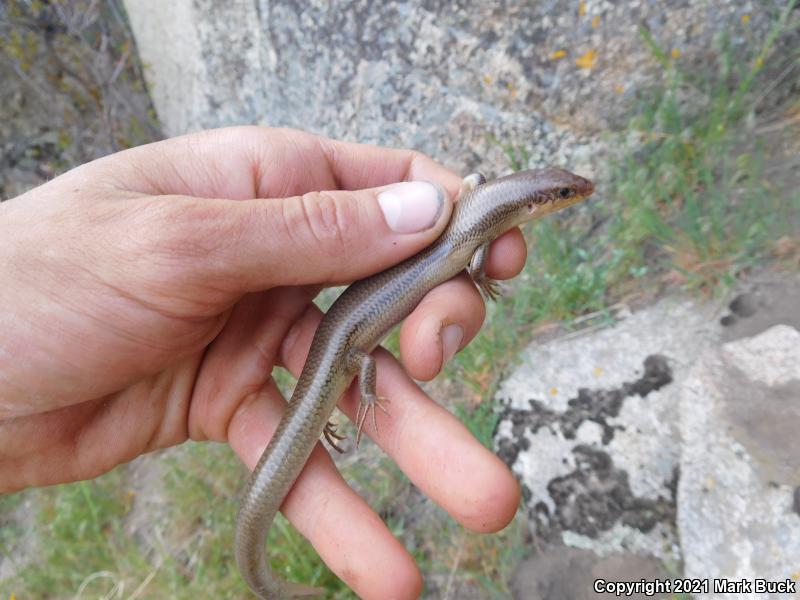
(355,325)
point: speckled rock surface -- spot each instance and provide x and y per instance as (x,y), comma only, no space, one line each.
(740,467)
(591,428)
(671,436)
(462,81)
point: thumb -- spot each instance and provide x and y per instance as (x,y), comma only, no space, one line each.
(323,237)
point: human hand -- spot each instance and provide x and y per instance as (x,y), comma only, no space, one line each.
(146,296)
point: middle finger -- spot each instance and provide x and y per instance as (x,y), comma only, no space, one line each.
(435,450)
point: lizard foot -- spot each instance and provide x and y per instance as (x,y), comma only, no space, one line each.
(333,436)
(369,402)
(490,288)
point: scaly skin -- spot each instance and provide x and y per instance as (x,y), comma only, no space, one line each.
(355,325)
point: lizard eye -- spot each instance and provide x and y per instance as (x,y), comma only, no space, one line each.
(530,207)
(565,192)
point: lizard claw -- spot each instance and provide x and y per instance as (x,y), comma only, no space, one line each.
(367,406)
(489,288)
(332,436)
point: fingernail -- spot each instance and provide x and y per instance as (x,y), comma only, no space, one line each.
(452,335)
(411,206)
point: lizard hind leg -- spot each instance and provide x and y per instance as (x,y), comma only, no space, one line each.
(370,401)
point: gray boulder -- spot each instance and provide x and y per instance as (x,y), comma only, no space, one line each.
(671,436)
(591,427)
(738,513)
(465,82)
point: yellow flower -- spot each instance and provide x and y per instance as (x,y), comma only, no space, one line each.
(619,89)
(745,19)
(587,60)
(597,371)
(487,79)
(675,53)
(581,8)
(553,392)
(558,54)
(596,21)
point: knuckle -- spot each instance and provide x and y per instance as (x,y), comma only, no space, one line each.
(331,223)
(415,158)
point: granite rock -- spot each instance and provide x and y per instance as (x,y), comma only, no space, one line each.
(590,425)
(669,437)
(737,496)
(467,83)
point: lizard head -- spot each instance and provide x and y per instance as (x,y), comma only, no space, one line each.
(528,195)
(498,205)
(551,189)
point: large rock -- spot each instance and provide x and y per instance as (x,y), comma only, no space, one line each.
(591,428)
(201,60)
(670,437)
(465,82)
(738,508)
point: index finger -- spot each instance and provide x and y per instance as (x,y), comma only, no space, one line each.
(251,162)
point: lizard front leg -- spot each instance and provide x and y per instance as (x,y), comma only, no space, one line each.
(477,271)
(470,182)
